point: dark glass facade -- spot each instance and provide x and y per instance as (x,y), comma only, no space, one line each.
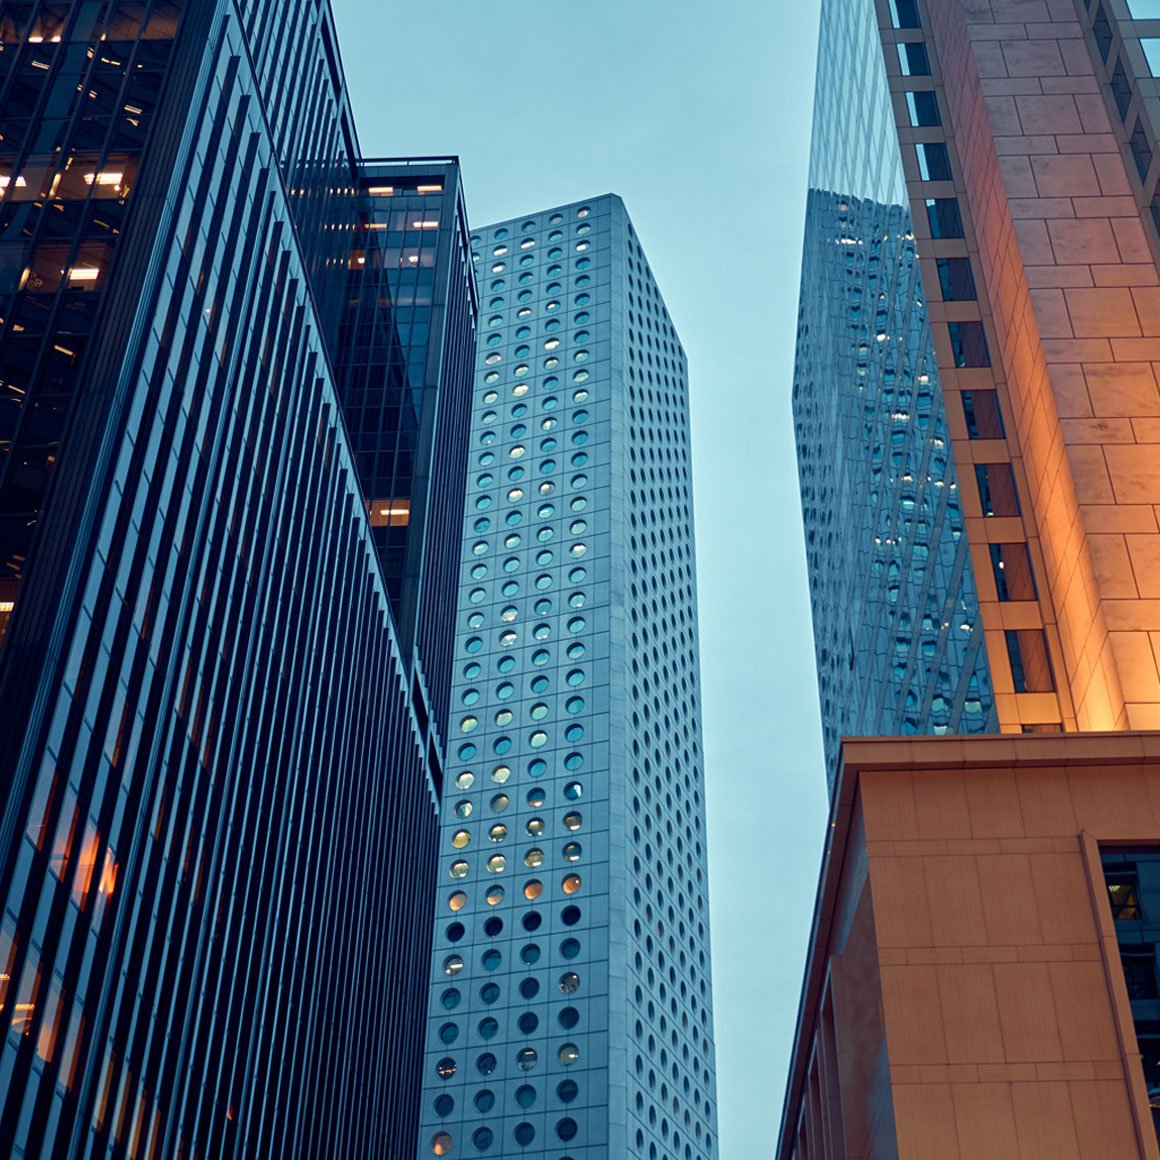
(570,1010)
(898,637)
(1132,878)
(218,766)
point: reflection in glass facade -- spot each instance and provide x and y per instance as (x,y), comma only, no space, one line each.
(218,766)
(897,634)
(570,1008)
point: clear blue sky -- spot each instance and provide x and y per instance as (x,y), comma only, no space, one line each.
(699,117)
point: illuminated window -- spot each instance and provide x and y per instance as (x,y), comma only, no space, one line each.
(389,513)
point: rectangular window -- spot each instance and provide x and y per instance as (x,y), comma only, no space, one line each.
(923,109)
(997,491)
(1122,89)
(913,60)
(1141,149)
(1123,894)
(1144,9)
(1102,28)
(969,344)
(956,280)
(944,217)
(904,14)
(1030,666)
(981,410)
(1014,579)
(934,162)
(1140,972)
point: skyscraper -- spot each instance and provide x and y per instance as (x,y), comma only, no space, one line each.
(570,1011)
(224,693)
(979,316)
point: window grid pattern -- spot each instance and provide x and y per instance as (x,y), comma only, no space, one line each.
(220,769)
(561,956)
(897,631)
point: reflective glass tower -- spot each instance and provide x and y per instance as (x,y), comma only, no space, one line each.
(897,631)
(570,1011)
(222,679)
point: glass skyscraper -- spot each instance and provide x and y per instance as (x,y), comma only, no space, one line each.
(570,1012)
(235,366)
(898,637)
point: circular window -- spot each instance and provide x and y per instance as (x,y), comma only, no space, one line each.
(575,731)
(567,1091)
(530,954)
(570,948)
(458,900)
(500,774)
(569,983)
(444,1105)
(524,1134)
(529,988)
(575,677)
(450,998)
(483,1138)
(458,869)
(566,1129)
(525,1097)
(568,1053)
(446,1068)
(534,858)
(535,827)
(452,965)
(494,895)
(497,833)
(460,839)
(449,1033)
(538,739)
(504,690)
(568,1018)
(573,821)
(572,884)
(500,802)
(491,959)
(570,915)
(532,920)
(463,809)
(537,795)
(441,1144)
(484,1100)
(494,927)
(527,1023)
(496,863)
(527,1059)
(533,889)
(572,852)
(455,932)
(488,1027)
(485,1064)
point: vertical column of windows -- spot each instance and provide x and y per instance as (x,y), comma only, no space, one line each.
(979,436)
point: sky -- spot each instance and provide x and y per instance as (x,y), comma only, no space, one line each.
(699,117)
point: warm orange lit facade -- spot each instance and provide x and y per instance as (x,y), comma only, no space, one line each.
(1055,194)
(964,995)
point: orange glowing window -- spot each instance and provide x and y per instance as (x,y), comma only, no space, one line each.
(389,513)
(86,864)
(50,1024)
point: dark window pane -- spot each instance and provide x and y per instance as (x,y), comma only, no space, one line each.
(1121,89)
(1103,30)
(1014,578)
(923,109)
(945,219)
(984,420)
(956,281)
(904,14)
(1030,667)
(1141,149)
(969,344)
(913,60)
(934,162)
(997,491)
(1140,972)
